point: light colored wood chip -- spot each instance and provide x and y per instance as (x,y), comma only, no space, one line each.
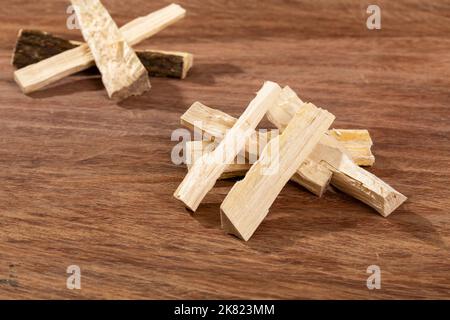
(358,144)
(206,170)
(123,74)
(330,154)
(248,202)
(45,72)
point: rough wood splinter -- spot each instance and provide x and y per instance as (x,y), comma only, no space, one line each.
(214,124)
(123,74)
(33,46)
(45,72)
(248,202)
(331,155)
(206,170)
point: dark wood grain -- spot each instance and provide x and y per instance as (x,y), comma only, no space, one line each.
(85,181)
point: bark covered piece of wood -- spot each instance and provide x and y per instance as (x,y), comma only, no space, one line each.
(331,155)
(123,74)
(33,46)
(208,169)
(50,70)
(248,202)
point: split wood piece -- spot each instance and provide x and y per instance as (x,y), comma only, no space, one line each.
(33,46)
(123,74)
(330,154)
(354,180)
(206,170)
(357,143)
(45,72)
(214,124)
(250,199)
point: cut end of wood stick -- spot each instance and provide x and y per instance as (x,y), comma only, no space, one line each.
(136,87)
(394,200)
(313,176)
(229,228)
(166,63)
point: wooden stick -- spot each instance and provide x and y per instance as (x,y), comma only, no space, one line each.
(33,46)
(214,123)
(354,180)
(45,72)
(248,202)
(347,176)
(123,74)
(206,170)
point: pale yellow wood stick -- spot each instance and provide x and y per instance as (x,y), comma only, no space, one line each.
(123,74)
(248,202)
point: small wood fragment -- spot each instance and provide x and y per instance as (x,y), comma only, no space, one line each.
(330,154)
(123,74)
(33,46)
(248,202)
(206,170)
(357,143)
(45,72)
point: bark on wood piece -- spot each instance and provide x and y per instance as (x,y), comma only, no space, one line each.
(357,143)
(206,170)
(248,202)
(123,74)
(214,123)
(33,46)
(45,72)
(347,176)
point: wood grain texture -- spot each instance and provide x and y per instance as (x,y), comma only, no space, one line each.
(89,182)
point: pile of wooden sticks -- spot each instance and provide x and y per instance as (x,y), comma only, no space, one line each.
(305,151)
(42,58)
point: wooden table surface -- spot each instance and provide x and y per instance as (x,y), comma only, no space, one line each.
(89,182)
